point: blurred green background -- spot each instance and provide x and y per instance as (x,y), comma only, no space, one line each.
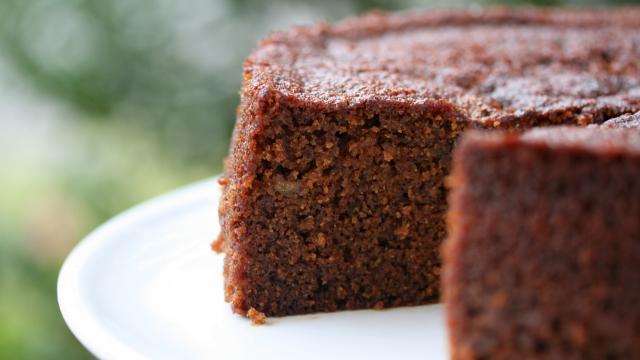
(104,104)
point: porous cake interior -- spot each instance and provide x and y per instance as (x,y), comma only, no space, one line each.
(543,258)
(347,212)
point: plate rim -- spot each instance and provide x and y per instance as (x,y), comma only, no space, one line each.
(90,333)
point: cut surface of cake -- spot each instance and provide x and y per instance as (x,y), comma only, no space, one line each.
(543,255)
(334,195)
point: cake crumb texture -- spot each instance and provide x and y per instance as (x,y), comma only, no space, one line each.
(257,317)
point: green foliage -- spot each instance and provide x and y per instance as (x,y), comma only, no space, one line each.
(31,327)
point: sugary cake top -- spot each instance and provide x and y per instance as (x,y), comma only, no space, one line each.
(628,121)
(562,139)
(603,141)
(496,65)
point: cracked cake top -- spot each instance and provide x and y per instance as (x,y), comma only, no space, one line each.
(498,67)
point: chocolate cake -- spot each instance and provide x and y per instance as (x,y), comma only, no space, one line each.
(543,256)
(335,196)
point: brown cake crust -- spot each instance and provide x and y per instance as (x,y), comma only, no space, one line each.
(335,195)
(544,245)
(496,65)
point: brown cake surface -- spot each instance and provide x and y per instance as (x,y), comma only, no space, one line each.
(335,195)
(543,255)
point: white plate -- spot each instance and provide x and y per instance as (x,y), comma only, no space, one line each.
(147,285)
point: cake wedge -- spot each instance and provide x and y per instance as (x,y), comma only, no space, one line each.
(543,254)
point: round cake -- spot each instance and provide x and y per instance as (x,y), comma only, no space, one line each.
(335,191)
